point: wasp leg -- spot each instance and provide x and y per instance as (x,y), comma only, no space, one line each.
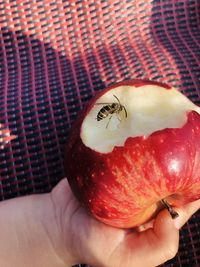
(118,118)
(108,122)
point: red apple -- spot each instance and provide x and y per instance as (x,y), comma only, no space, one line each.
(135,147)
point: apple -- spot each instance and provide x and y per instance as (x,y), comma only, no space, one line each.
(134,150)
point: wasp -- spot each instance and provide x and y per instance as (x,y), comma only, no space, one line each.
(110,109)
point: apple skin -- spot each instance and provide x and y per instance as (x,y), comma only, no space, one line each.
(124,188)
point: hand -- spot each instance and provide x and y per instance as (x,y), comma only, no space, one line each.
(53,230)
(97,244)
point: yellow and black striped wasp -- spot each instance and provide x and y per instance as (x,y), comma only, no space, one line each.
(110,109)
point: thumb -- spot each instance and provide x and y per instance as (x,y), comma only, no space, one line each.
(165,235)
(159,244)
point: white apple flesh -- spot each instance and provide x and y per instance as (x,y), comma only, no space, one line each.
(142,151)
(149,109)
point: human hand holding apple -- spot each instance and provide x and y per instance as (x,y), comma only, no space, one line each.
(134,150)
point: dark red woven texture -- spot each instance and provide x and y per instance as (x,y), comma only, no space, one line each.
(54,56)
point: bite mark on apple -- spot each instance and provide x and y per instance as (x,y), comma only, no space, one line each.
(150,108)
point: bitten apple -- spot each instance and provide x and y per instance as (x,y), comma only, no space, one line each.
(133,150)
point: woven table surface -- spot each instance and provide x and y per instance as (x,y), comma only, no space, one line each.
(55,55)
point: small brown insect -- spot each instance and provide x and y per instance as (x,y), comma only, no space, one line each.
(110,109)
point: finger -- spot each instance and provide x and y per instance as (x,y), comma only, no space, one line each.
(186,212)
(158,244)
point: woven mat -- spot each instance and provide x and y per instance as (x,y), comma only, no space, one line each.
(54,56)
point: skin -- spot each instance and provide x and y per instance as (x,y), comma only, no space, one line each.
(53,230)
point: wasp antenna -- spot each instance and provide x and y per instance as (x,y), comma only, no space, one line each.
(117,99)
(125,111)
